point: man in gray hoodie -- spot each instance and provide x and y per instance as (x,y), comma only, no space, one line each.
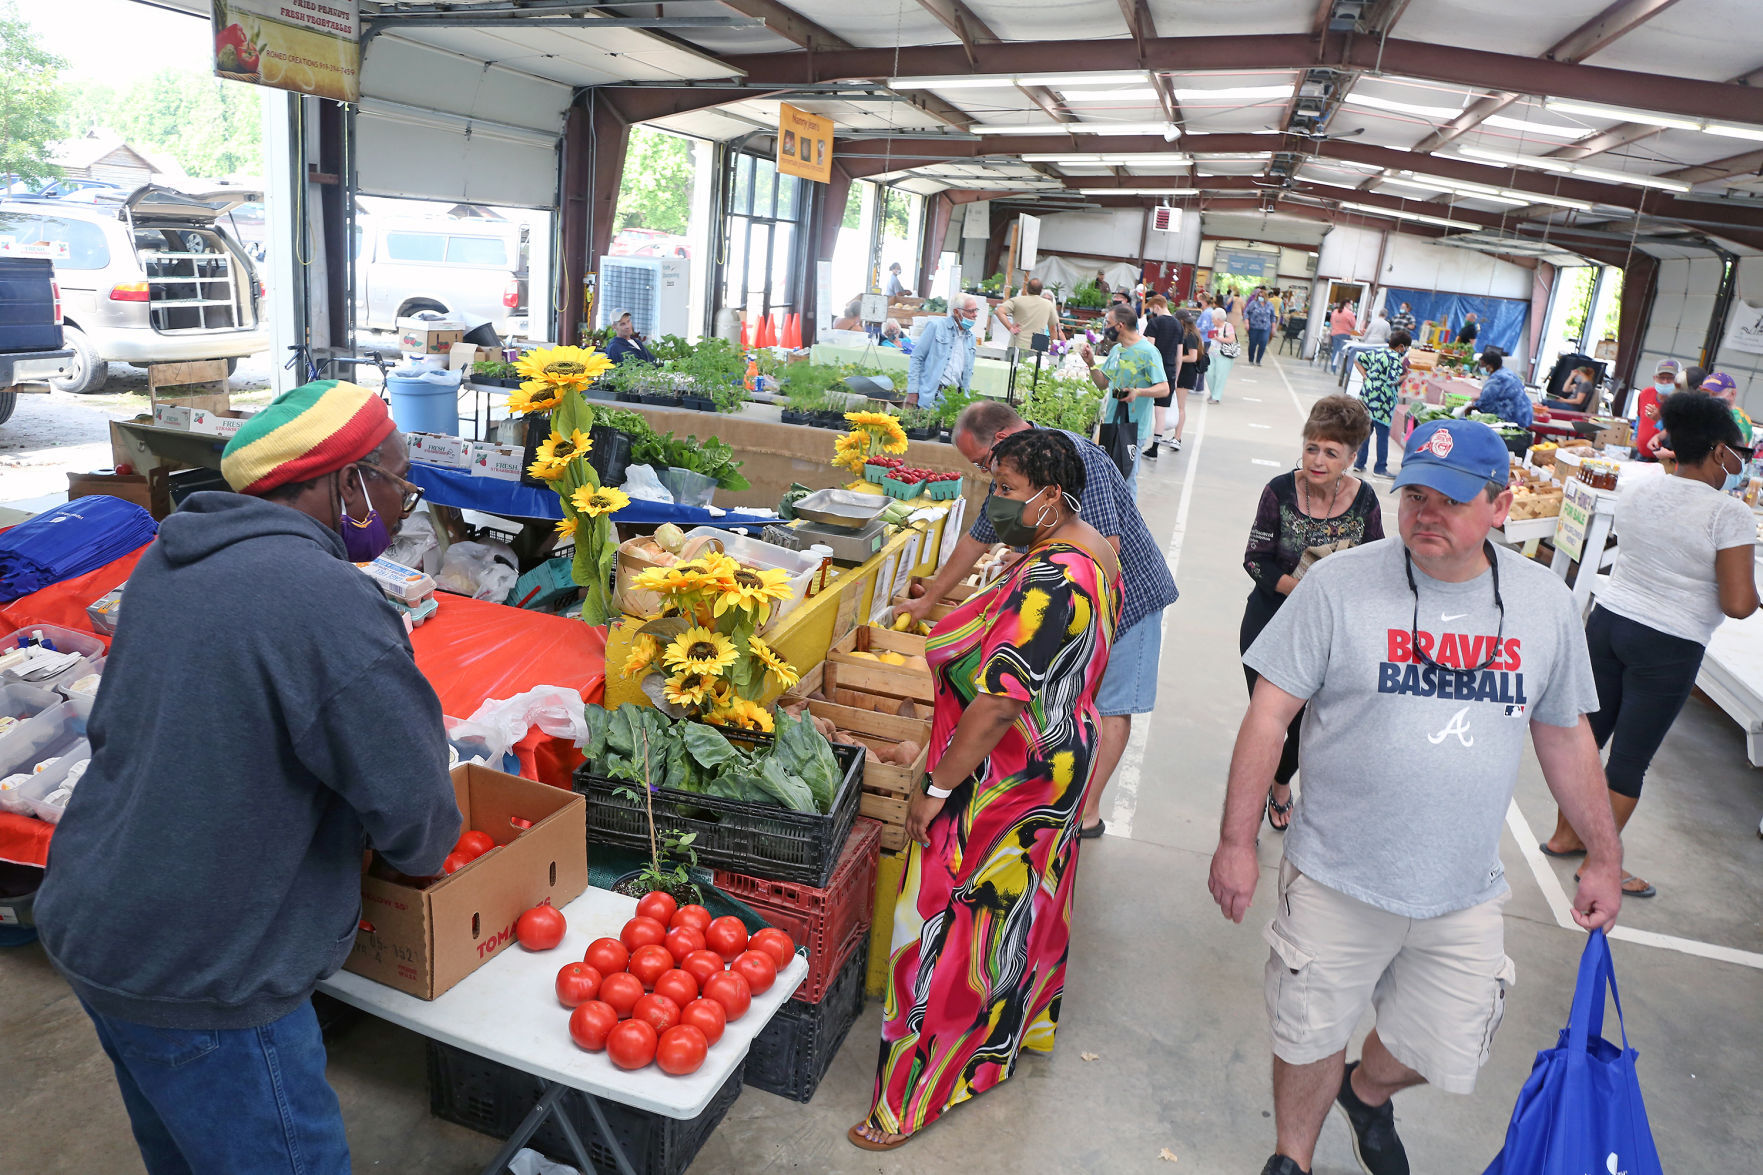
(262,721)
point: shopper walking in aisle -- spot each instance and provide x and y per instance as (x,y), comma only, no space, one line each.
(1130,686)
(1723,388)
(1260,314)
(245,809)
(1134,379)
(1391,887)
(1165,332)
(1687,561)
(942,359)
(1502,392)
(1318,508)
(1342,325)
(1193,348)
(982,924)
(1025,316)
(1383,371)
(1220,358)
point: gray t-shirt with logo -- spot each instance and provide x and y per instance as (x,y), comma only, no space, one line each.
(1407,770)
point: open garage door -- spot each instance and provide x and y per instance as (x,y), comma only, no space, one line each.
(1683,307)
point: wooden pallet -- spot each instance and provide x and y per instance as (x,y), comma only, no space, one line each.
(200,383)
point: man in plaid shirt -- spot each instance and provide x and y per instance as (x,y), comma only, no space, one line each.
(1129,686)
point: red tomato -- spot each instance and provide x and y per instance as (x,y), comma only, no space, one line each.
(540,928)
(682,941)
(776,943)
(642,932)
(622,990)
(659,906)
(678,986)
(701,965)
(607,955)
(757,969)
(474,844)
(680,1050)
(727,936)
(706,1016)
(589,1024)
(577,983)
(631,1044)
(649,963)
(659,1012)
(455,862)
(697,917)
(728,989)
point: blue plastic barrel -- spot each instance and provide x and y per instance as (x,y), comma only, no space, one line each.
(424,401)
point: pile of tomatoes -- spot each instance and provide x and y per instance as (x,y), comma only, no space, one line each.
(665,988)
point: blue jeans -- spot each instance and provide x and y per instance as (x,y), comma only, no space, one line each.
(1382,432)
(1335,343)
(1258,337)
(243,1101)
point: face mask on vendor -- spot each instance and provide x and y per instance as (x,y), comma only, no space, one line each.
(366,540)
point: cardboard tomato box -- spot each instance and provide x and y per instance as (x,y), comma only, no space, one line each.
(424,939)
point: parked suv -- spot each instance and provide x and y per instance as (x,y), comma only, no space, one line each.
(456,266)
(146,276)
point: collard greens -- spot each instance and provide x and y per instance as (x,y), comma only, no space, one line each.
(640,745)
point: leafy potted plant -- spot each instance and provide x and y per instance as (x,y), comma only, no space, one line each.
(495,373)
(921,424)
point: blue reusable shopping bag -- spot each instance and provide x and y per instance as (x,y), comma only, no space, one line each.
(1580,1111)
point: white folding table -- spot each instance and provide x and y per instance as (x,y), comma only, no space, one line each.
(507,1011)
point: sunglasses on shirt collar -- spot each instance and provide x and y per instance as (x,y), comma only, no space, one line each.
(1414,624)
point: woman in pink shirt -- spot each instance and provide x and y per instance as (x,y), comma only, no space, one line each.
(1341,327)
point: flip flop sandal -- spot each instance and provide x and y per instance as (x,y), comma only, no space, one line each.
(1276,808)
(1647,890)
(1548,852)
(857,1140)
(1092,831)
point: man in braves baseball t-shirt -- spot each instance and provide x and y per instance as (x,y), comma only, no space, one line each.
(1424,660)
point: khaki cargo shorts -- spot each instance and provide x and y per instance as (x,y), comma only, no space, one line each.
(1438,984)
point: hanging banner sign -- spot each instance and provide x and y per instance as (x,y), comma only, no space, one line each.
(1746,332)
(804,144)
(307,46)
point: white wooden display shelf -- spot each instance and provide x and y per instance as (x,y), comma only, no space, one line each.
(507,1011)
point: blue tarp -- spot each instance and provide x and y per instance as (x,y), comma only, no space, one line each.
(1503,320)
(511,499)
(70,540)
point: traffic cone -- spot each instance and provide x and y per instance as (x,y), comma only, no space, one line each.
(794,342)
(763,336)
(746,335)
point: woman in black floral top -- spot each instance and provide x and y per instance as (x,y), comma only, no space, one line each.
(1316,504)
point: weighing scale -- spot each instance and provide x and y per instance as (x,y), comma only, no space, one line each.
(848,546)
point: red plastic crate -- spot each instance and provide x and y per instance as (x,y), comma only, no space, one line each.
(826,921)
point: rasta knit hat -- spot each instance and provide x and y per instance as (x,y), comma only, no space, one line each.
(313,430)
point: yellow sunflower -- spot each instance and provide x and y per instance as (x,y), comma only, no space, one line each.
(556,452)
(700,650)
(563,368)
(688,689)
(852,442)
(643,652)
(754,589)
(566,528)
(868,419)
(774,664)
(679,579)
(534,396)
(854,461)
(742,713)
(893,437)
(595,501)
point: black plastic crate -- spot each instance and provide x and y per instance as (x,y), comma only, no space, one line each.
(742,836)
(493,1099)
(795,1050)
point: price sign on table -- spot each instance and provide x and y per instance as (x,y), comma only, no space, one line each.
(1579,502)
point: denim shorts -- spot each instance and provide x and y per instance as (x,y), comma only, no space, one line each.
(1129,684)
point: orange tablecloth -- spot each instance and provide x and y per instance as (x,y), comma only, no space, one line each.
(470,650)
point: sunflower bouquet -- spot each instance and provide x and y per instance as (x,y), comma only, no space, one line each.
(872,434)
(555,379)
(703,657)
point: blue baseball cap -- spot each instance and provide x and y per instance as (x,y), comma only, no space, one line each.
(1458,458)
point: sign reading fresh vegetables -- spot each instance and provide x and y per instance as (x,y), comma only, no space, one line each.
(307,46)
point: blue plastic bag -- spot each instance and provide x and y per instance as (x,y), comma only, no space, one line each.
(1580,1111)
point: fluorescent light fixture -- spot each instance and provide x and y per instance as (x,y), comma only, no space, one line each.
(1167,129)
(1369,102)
(1243,156)
(1139,191)
(962,82)
(1374,210)
(1484,191)
(1617,114)
(1735,132)
(1135,94)
(1062,81)
(1426,186)
(1566,167)
(1001,81)
(1095,157)
(1536,128)
(1235,94)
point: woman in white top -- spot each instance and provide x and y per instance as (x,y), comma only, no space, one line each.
(1685,563)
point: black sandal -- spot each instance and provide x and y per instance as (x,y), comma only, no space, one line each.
(1276,808)
(1092,831)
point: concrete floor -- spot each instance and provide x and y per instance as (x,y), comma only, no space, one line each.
(1162,991)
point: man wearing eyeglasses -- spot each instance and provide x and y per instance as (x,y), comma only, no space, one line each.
(942,358)
(262,720)
(1424,660)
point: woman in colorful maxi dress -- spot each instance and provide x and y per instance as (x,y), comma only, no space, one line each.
(983,919)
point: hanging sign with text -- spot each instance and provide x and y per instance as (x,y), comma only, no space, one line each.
(307,46)
(1579,502)
(804,144)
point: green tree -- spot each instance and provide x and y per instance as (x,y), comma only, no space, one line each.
(656,190)
(31,101)
(211,126)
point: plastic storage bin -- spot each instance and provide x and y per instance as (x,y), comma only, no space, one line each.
(793,1053)
(424,400)
(828,921)
(21,701)
(53,733)
(87,666)
(65,640)
(771,557)
(39,797)
(492,1098)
